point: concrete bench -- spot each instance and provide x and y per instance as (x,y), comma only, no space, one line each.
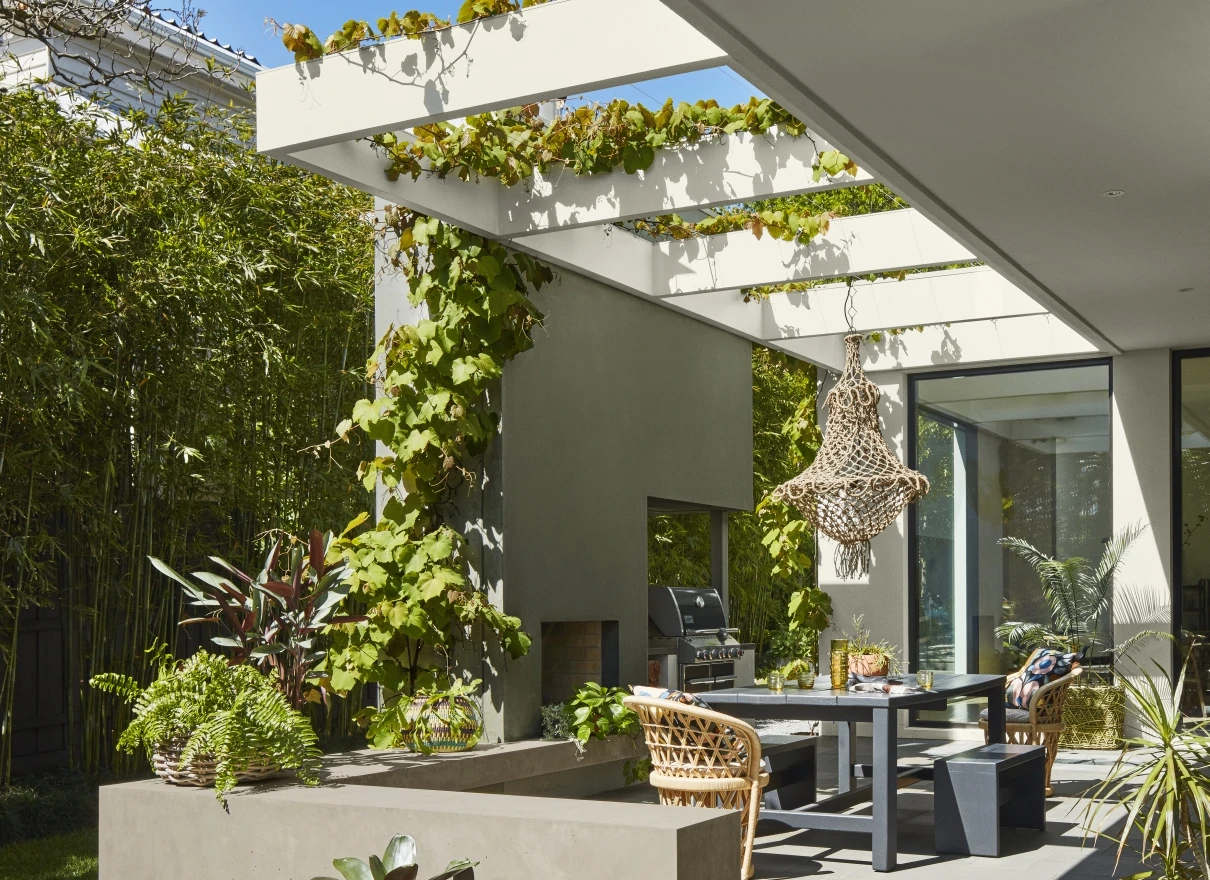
(790,763)
(977,792)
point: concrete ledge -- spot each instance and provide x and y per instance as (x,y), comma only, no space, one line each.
(531,767)
(151,830)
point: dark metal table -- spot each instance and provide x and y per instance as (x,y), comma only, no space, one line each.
(847,709)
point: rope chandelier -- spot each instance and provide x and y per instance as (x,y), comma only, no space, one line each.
(856,487)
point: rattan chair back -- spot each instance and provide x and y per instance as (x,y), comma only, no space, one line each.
(702,758)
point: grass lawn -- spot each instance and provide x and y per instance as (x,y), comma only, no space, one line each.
(66,857)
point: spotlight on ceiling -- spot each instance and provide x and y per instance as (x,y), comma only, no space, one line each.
(1185,290)
(1113,193)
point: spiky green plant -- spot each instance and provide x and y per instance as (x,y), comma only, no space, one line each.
(397,863)
(1078,594)
(1160,779)
(234,714)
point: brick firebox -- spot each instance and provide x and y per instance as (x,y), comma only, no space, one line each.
(575,652)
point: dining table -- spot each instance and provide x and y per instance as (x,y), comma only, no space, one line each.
(847,708)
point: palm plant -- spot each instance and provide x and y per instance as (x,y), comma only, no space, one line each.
(1078,594)
(1160,779)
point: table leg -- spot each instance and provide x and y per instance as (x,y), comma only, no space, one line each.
(995,716)
(886,789)
(846,740)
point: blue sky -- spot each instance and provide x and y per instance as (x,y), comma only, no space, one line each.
(242,24)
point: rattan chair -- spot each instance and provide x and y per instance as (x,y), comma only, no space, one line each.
(701,758)
(1042,722)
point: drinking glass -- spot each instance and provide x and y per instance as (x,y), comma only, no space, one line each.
(777,680)
(924,678)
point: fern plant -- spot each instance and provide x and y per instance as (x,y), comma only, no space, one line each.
(1078,594)
(210,709)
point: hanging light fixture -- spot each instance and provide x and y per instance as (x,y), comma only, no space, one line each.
(856,487)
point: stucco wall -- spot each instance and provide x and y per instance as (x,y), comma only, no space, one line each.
(618,401)
(1142,493)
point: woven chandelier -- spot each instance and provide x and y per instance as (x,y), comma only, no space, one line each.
(856,486)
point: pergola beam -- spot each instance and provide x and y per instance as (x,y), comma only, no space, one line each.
(741,167)
(547,51)
(952,296)
(886,242)
(861,245)
(1028,338)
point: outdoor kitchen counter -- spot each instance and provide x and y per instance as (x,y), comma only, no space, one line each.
(845,708)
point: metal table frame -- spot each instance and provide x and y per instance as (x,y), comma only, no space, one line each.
(847,709)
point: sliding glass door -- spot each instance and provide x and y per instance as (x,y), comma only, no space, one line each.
(1020,454)
(1192,612)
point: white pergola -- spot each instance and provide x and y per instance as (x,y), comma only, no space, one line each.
(318,114)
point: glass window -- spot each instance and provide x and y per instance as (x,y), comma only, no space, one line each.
(1022,454)
(1193,613)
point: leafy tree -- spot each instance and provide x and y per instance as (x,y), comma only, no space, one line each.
(179,319)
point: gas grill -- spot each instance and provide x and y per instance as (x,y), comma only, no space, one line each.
(689,646)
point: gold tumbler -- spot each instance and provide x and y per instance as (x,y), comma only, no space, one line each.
(840,663)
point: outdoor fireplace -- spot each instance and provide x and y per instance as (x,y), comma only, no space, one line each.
(575,652)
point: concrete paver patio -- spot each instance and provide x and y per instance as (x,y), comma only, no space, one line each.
(1062,852)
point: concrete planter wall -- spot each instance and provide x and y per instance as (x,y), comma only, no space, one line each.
(478,804)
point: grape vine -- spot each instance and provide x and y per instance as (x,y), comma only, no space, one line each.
(433,413)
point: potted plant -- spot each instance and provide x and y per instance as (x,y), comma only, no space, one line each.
(271,619)
(1078,595)
(442,718)
(799,645)
(1159,782)
(398,863)
(206,722)
(869,658)
(597,712)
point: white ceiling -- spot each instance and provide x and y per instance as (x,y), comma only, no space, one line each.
(1004,122)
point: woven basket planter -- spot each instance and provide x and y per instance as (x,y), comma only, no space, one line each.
(200,772)
(1093,717)
(446,737)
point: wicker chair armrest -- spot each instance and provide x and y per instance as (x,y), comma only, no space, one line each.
(1046,705)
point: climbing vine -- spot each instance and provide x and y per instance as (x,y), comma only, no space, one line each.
(433,415)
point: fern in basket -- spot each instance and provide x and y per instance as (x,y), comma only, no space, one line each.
(210,710)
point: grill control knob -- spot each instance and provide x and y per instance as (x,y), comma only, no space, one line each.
(702,654)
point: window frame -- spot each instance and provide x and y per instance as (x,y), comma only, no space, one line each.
(913,407)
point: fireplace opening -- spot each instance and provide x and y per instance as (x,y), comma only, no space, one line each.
(575,652)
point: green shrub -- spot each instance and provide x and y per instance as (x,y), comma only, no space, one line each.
(47,805)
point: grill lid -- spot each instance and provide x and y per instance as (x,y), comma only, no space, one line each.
(677,611)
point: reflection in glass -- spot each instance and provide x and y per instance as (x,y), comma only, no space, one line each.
(1022,454)
(1194,404)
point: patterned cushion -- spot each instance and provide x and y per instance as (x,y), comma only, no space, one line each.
(658,693)
(1045,665)
(1011,716)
